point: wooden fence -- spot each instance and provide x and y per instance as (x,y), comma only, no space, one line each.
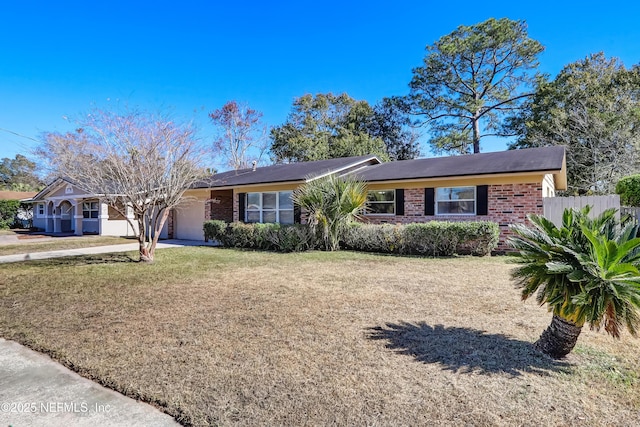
(632,213)
(553,207)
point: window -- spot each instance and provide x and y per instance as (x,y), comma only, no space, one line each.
(381,202)
(90,209)
(40,209)
(456,201)
(270,207)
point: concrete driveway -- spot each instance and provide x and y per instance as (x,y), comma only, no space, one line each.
(27,256)
(37,391)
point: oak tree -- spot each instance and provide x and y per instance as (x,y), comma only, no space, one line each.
(325,126)
(593,108)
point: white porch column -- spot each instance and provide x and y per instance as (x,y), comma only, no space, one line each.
(78,218)
(49,213)
(103,216)
(57,225)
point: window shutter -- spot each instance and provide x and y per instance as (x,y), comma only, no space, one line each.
(429,201)
(297,214)
(482,200)
(400,201)
(241,206)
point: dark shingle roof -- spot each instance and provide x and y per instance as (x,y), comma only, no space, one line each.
(512,161)
(285,172)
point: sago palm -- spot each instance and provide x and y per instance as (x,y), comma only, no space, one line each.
(331,203)
(586,271)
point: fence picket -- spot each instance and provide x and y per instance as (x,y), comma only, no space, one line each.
(553,207)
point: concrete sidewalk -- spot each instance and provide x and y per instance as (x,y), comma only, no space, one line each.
(37,391)
(172,243)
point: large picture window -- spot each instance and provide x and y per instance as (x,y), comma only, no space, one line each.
(269,207)
(381,202)
(456,201)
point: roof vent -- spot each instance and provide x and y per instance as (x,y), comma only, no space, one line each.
(255,165)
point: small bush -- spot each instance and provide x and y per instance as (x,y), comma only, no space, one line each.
(434,238)
(372,238)
(477,238)
(269,237)
(629,190)
(214,230)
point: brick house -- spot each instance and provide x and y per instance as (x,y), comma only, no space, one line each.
(502,187)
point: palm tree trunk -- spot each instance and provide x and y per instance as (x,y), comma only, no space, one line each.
(559,338)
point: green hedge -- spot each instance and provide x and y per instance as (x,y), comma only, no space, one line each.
(629,190)
(8,212)
(269,237)
(434,238)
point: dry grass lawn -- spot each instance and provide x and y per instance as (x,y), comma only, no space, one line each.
(225,337)
(38,243)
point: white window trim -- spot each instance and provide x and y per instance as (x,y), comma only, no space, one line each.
(391,202)
(474,200)
(277,209)
(44,210)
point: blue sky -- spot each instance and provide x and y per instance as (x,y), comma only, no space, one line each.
(61,58)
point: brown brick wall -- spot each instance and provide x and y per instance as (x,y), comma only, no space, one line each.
(236,205)
(508,204)
(170,224)
(220,206)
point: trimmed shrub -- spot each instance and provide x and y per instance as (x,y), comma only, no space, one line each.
(629,190)
(269,237)
(477,238)
(214,230)
(434,238)
(383,238)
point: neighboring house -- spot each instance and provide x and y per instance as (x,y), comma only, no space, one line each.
(502,187)
(16,195)
(64,207)
(23,215)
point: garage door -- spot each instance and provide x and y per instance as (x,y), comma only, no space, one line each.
(189,219)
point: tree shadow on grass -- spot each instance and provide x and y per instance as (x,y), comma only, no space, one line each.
(113,258)
(465,350)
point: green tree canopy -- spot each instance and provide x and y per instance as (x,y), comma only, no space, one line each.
(629,190)
(593,108)
(327,126)
(471,80)
(19,174)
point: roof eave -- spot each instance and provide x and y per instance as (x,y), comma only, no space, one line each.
(471,176)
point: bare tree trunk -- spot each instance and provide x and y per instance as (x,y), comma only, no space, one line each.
(158,225)
(145,255)
(559,338)
(476,135)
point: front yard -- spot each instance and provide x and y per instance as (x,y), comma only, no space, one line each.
(218,336)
